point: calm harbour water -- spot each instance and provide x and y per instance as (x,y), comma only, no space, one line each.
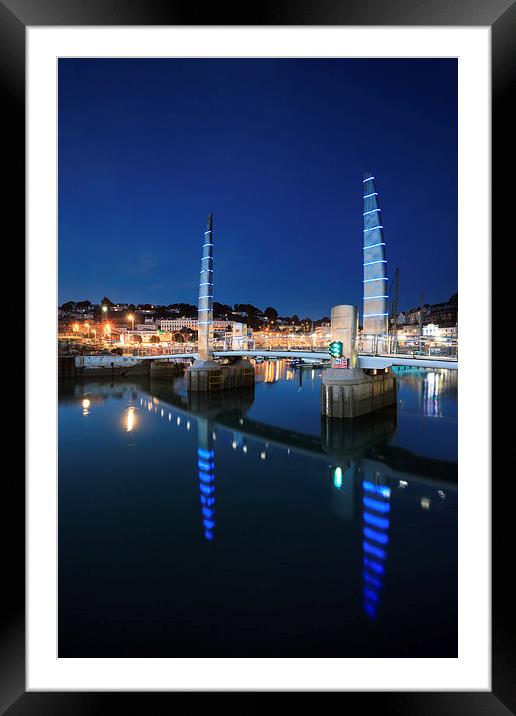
(244,525)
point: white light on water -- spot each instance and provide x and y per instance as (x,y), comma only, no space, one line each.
(130,419)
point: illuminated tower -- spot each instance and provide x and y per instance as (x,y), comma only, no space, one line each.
(205,317)
(376,294)
(205,374)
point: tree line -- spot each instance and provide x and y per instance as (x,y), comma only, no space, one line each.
(247,313)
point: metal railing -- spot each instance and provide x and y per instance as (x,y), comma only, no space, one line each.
(412,346)
(424,346)
(374,345)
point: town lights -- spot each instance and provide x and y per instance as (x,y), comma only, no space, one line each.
(336,349)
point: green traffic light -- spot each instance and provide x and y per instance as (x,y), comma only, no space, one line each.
(336,349)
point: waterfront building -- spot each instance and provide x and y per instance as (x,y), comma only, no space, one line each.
(147,326)
(237,338)
(432,330)
(412,316)
(445,313)
(175,324)
(449,331)
(74,315)
(324,330)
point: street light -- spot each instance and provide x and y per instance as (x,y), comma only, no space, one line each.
(105,311)
(131,318)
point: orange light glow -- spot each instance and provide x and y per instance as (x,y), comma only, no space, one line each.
(131,419)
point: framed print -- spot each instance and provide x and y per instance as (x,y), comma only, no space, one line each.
(250,466)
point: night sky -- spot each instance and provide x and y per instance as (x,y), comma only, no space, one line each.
(276,149)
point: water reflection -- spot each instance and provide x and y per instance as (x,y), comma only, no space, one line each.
(273,370)
(355,446)
(359,490)
(130,420)
(376,509)
(206,471)
(433,388)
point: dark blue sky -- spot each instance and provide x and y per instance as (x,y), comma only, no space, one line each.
(276,149)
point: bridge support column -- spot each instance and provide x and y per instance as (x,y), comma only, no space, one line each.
(350,392)
(208,376)
(353,392)
(344,328)
(205,375)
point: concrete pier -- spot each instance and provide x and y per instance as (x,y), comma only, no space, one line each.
(351,439)
(209,376)
(204,375)
(165,369)
(344,328)
(353,392)
(348,392)
(119,366)
(238,375)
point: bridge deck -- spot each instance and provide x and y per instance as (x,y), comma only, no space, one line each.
(364,361)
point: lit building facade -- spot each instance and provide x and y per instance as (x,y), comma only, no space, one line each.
(175,324)
(376,294)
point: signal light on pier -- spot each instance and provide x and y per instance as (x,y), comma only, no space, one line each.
(336,349)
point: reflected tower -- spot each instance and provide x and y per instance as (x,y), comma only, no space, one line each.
(376,515)
(376,294)
(206,473)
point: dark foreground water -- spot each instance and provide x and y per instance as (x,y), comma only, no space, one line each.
(245,526)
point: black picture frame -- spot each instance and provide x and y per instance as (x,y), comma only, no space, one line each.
(15,16)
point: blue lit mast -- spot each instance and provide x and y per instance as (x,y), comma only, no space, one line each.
(205,311)
(376,293)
